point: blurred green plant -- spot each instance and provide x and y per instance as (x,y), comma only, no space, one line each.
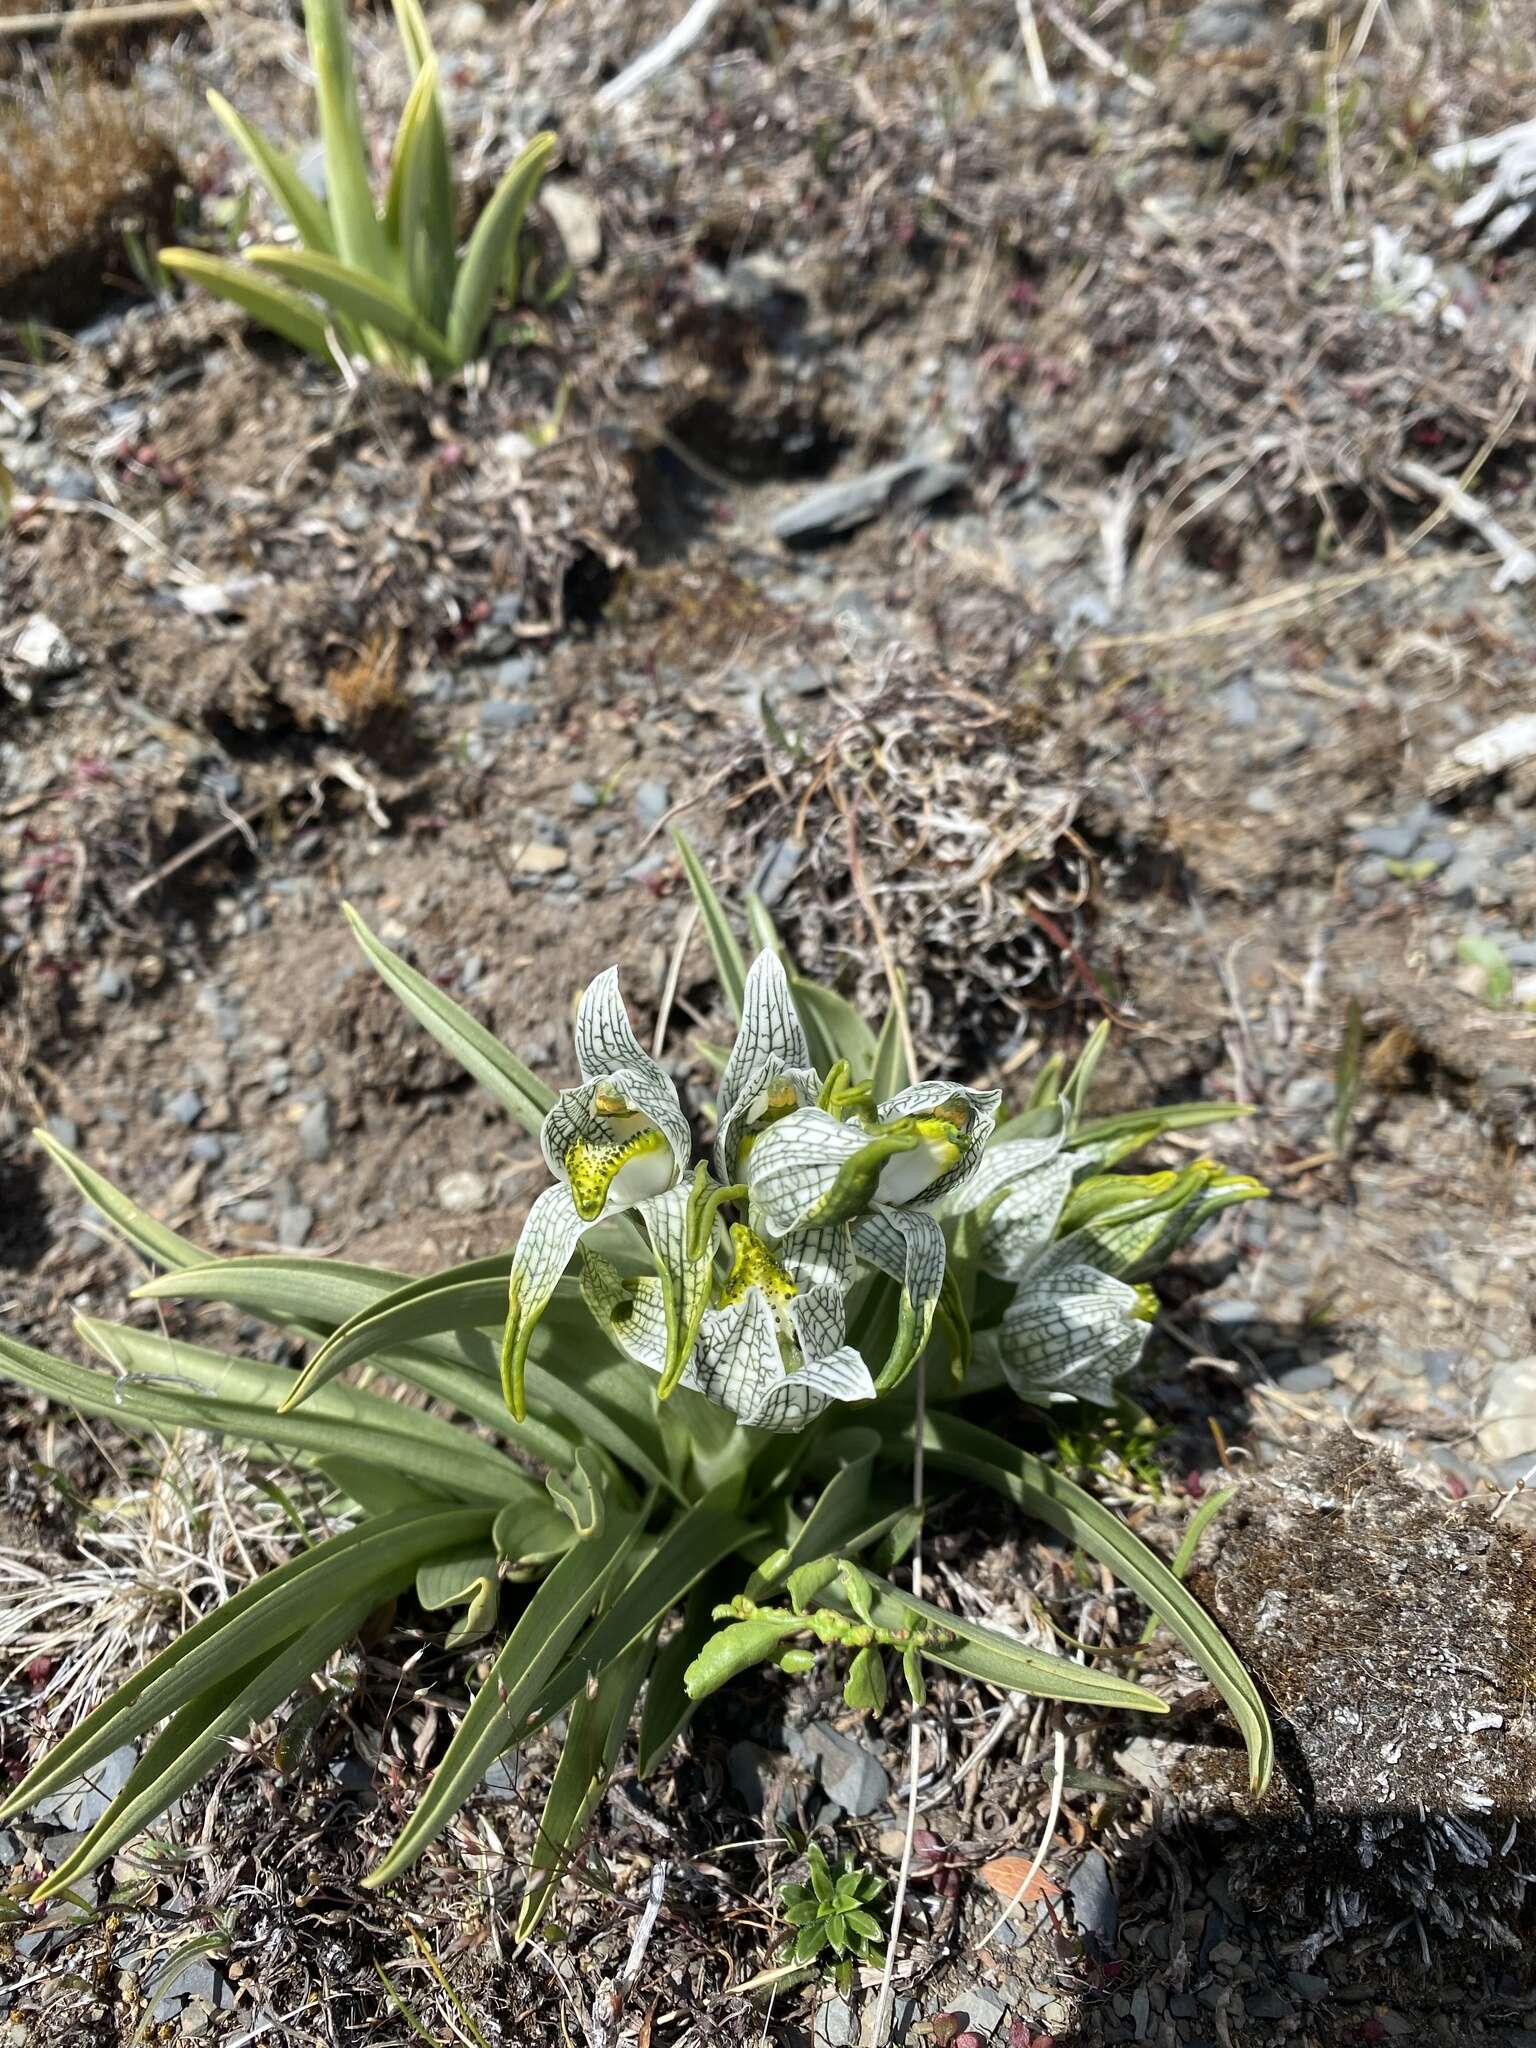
(663,1485)
(830,1913)
(390,286)
(1487,956)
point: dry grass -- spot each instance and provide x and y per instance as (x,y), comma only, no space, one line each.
(74,178)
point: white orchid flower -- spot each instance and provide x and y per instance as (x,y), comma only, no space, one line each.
(619,1141)
(1072,1330)
(769,1073)
(1076,1326)
(769,1347)
(883,1177)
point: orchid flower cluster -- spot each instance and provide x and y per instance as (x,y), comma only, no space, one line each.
(825,1185)
(699,1454)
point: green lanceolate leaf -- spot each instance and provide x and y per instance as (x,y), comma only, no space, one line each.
(164,1247)
(455,1361)
(200,1734)
(282,311)
(492,247)
(359,237)
(421,1308)
(498,1715)
(841,1510)
(377,1491)
(1118,1136)
(763,932)
(252,1622)
(599,1722)
(364,298)
(580,1494)
(696,1542)
(281,176)
(521,1093)
(469,1577)
(833,1027)
(420,216)
(957,1446)
(415,37)
(165,1385)
(890,1069)
(987,1654)
(668,1707)
(1080,1080)
(529,1535)
(730,961)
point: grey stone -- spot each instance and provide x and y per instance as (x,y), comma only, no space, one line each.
(652,801)
(185,1107)
(255,1209)
(1392,842)
(775,871)
(79,1805)
(1306,1379)
(836,2024)
(505,714)
(1507,1427)
(294,1223)
(315,1131)
(515,671)
(1265,2004)
(111,984)
(200,1980)
(1225,25)
(750,1769)
(10,1848)
(46,649)
(1239,705)
(584,796)
(1094,1904)
(65,1129)
(1263,800)
(851,1775)
(984,2012)
(206,1149)
(1306,1985)
(831,509)
(1309,1091)
(504,1778)
(1229,1314)
(463,1192)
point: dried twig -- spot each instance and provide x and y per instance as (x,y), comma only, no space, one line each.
(1518,562)
(1095,52)
(78,24)
(1034,51)
(675,44)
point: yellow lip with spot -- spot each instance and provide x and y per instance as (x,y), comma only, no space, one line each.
(593,1164)
(753,1265)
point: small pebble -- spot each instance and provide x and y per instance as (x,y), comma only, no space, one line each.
(462,1193)
(294,1224)
(505,714)
(112,985)
(65,1129)
(206,1149)
(652,802)
(185,1106)
(315,1132)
